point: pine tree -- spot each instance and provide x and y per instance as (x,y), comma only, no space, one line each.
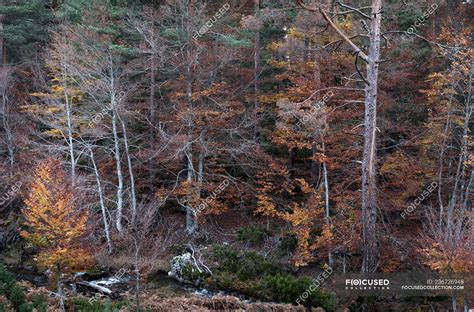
(25,25)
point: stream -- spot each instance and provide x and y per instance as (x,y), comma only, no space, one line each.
(158,282)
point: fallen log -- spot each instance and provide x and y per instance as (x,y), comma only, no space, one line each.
(96,287)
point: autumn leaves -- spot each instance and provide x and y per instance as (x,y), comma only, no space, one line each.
(54,224)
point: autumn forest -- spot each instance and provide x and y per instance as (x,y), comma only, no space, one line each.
(241,155)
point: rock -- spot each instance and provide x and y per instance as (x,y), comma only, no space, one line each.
(184,269)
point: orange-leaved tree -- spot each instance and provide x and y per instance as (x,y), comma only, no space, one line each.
(54,224)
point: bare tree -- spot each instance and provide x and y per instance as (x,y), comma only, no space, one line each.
(6,80)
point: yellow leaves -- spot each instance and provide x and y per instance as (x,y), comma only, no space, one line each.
(305,187)
(345,24)
(39,94)
(215,89)
(271,98)
(278,64)
(57,88)
(40,109)
(54,224)
(54,133)
(293,32)
(274,46)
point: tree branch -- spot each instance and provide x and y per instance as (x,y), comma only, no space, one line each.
(357,50)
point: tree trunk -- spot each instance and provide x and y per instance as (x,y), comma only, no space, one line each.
(102,204)
(70,140)
(5,121)
(326,197)
(130,171)
(291,161)
(256,73)
(114,106)
(465,188)
(152,117)
(369,203)
(118,221)
(191,218)
(60,290)
(454,302)
(137,269)
(3,47)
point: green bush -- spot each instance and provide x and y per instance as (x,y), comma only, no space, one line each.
(246,266)
(253,235)
(14,293)
(228,259)
(83,305)
(189,273)
(10,289)
(250,273)
(287,245)
(39,303)
(254,265)
(287,288)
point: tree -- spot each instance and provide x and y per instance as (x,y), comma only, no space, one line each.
(54,224)
(24,26)
(369,196)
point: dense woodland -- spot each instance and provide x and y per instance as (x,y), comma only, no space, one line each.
(261,142)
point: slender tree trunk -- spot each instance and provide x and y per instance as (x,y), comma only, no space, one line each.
(130,171)
(454,302)
(114,106)
(6,125)
(465,189)
(102,204)
(256,73)
(70,139)
(326,197)
(136,263)
(60,290)
(291,161)
(191,218)
(153,122)
(3,47)
(315,166)
(119,216)
(369,203)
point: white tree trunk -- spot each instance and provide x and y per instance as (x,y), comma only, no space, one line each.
(130,171)
(102,204)
(70,139)
(326,197)
(118,221)
(191,218)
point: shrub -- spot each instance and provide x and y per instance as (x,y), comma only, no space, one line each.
(228,259)
(253,235)
(83,305)
(253,265)
(10,289)
(287,245)
(39,303)
(15,295)
(287,289)
(246,266)
(250,273)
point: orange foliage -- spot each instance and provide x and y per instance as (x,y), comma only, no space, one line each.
(54,224)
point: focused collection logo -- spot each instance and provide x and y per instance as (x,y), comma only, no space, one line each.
(367,284)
